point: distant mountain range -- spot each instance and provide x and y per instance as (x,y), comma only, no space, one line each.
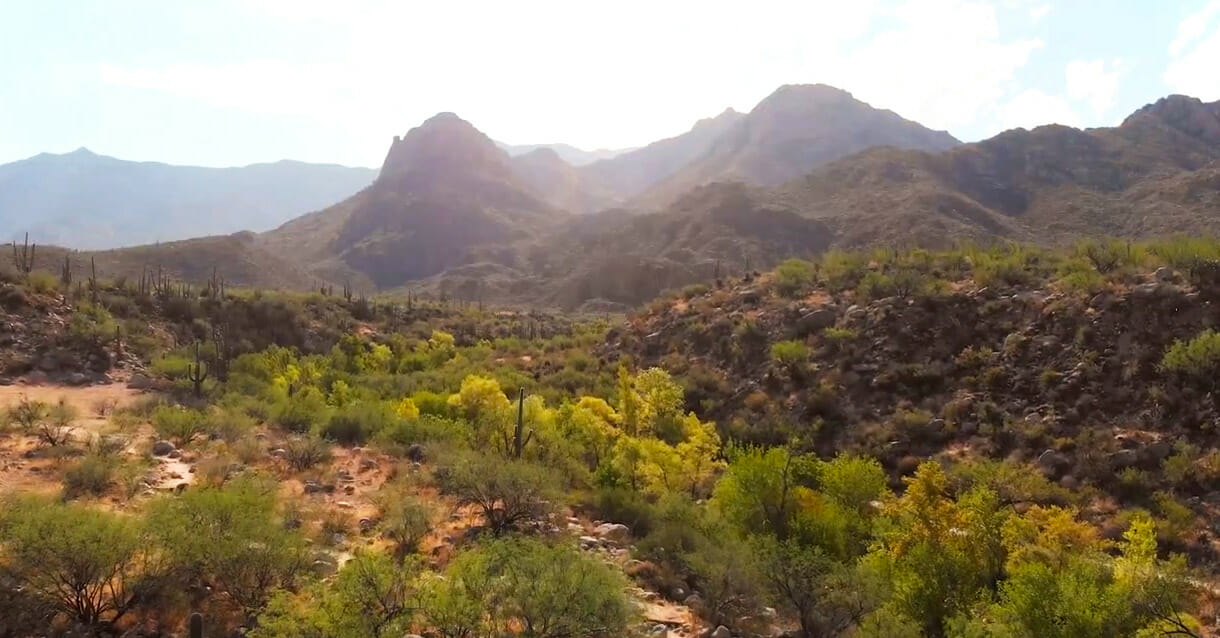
(85,200)
(810,168)
(568,153)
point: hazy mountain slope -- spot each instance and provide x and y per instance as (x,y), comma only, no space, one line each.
(792,131)
(85,200)
(445,188)
(568,153)
(628,174)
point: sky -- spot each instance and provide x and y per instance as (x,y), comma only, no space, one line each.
(234,82)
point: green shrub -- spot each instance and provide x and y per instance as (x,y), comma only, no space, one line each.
(508,493)
(179,424)
(405,520)
(92,475)
(232,538)
(83,562)
(789,353)
(302,411)
(360,421)
(793,276)
(550,591)
(1198,358)
(43,282)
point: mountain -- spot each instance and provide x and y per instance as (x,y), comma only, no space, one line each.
(792,131)
(628,174)
(86,200)
(568,153)
(559,183)
(1157,173)
(444,190)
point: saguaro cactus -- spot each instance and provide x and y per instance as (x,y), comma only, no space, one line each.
(196,625)
(65,275)
(520,438)
(24,259)
(197,372)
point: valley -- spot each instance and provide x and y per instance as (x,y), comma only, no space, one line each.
(804,371)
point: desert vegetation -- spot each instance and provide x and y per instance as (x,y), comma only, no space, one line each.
(985,441)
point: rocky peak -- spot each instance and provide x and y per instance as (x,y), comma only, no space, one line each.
(444,142)
(726,116)
(1188,115)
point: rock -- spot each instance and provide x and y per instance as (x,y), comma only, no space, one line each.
(37,377)
(344,505)
(415,452)
(1165,274)
(349,489)
(1054,462)
(163,448)
(816,321)
(1123,459)
(589,542)
(678,592)
(694,601)
(139,382)
(278,452)
(77,378)
(367,524)
(659,630)
(616,532)
(720,632)
(368,464)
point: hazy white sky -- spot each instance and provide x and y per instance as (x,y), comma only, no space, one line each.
(230,82)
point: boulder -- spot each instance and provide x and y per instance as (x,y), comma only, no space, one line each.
(1165,274)
(139,382)
(163,448)
(616,532)
(720,632)
(816,321)
(415,453)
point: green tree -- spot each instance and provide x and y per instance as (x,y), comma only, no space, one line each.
(233,537)
(88,564)
(545,591)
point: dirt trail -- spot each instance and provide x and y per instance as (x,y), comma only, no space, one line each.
(86,399)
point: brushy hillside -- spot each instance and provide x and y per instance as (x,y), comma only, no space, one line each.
(1012,441)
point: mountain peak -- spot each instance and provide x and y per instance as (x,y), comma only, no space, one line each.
(444,142)
(1189,115)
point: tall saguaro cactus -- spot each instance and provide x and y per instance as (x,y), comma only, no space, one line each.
(197,372)
(24,259)
(520,438)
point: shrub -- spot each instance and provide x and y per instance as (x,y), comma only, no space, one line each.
(305,452)
(300,412)
(179,424)
(545,591)
(508,493)
(56,428)
(1198,358)
(789,353)
(405,521)
(358,422)
(793,276)
(92,475)
(83,562)
(232,538)
(27,414)
(43,282)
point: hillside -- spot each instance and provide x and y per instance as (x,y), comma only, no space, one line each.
(630,173)
(944,432)
(445,189)
(1155,174)
(91,201)
(789,133)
